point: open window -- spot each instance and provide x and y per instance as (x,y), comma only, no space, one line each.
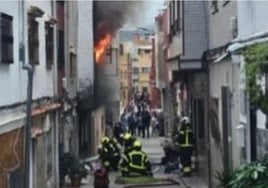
(33,36)
(49,44)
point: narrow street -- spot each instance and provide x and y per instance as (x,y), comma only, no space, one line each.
(77,77)
(153,148)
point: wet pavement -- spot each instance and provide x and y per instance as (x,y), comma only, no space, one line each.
(155,152)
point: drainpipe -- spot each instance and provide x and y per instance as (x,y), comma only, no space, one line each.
(209,157)
(27,132)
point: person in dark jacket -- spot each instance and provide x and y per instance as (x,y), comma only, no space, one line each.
(146,119)
(118,133)
(132,123)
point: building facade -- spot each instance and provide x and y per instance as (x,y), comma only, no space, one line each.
(223,95)
(29,29)
(125,74)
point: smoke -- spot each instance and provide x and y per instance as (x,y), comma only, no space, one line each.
(109,16)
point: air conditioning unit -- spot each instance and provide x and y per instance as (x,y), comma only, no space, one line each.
(234,26)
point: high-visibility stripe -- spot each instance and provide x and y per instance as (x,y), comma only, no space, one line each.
(186,145)
(124,169)
(143,160)
(136,166)
(125,158)
(186,169)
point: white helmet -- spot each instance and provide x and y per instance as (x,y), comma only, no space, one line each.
(185,120)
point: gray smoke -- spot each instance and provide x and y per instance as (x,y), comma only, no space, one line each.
(109,16)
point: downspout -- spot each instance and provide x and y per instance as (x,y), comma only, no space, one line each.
(30,69)
(205,5)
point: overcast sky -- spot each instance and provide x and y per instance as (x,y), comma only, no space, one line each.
(146,19)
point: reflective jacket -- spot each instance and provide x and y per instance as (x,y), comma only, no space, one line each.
(136,160)
(184,138)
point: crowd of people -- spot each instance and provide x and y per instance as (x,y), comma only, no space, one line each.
(142,121)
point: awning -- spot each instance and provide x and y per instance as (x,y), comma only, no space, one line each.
(45,108)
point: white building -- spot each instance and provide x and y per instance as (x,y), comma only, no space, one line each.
(29,31)
(252,29)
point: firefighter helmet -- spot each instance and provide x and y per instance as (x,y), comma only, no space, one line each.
(185,120)
(104,139)
(137,144)
(127,136)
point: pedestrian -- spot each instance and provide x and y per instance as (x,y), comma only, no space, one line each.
(154,124)
(135,161)
(184,139)
(140,123)
(161,123)
(146,118)
(132,123)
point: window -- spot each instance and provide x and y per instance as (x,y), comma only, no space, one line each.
(121,49)
(33,44)
(144,89)
(135,70)
(172,16)
(60,50)
(145,70)
(72,64)
(6,44)
(214,6)
(124,94)
(49,44)
(121,74)
(125,74)
(147,51)
(178,20)
(139,51)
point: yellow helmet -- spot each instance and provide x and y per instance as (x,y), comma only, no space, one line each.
(137,144)
(127,136)
(104,139)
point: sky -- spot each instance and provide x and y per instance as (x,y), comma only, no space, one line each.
(152,8)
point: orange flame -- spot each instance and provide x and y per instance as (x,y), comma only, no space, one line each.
(101,46)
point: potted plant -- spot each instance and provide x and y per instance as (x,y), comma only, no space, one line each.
(70,166)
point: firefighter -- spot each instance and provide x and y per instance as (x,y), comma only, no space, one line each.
(104,151)
(184,139)
(135,161)
(128,142)
(116,153)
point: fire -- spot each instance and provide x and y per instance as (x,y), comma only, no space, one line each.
(101,46)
